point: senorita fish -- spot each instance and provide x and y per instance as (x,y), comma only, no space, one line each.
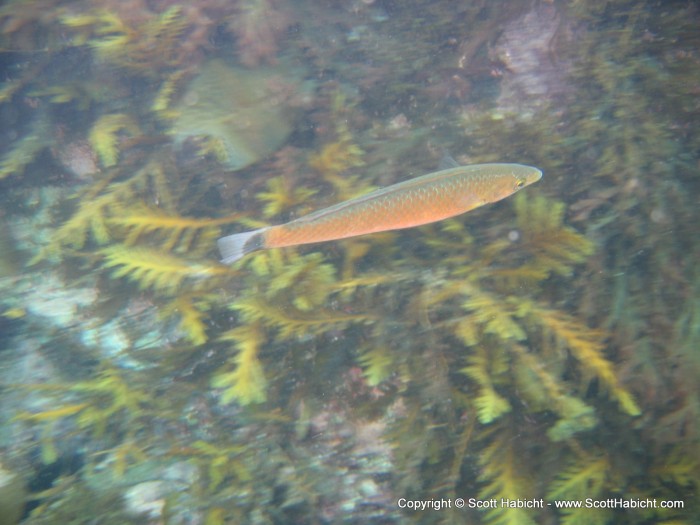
(432,197)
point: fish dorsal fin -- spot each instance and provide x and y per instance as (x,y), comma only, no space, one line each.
(447,162)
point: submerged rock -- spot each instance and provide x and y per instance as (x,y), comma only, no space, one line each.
(12,497)
(247,112)
(534,74)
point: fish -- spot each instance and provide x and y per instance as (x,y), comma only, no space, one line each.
(448,192)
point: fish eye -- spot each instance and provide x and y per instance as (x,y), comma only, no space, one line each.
(519,183)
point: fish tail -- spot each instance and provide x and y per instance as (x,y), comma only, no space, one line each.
(233,247)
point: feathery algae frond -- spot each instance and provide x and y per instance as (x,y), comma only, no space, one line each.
(554,246)
(175,232)
(155,269)
(104,136)
(246,383)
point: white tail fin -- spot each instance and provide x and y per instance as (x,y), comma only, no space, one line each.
(235,246)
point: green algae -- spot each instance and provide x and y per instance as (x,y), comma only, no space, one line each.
(244,111)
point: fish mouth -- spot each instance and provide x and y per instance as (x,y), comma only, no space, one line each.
(534,175)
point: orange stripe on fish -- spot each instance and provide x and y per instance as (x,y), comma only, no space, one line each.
(430,198)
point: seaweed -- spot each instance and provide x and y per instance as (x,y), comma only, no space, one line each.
(101,202)
(88,222)
(26,149)
(295,323)
(282,196)
(339,155)
(504,477)
(377,364)
(584,478)
(145,47)
(175,233)
(336,157)
(586,346)
(291,295)
(157,270)
(47,418)
(191,309)
(220,463)
(246,383)
(109,402)
(555,247)
(104,136)
(162,102)
(490,405)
